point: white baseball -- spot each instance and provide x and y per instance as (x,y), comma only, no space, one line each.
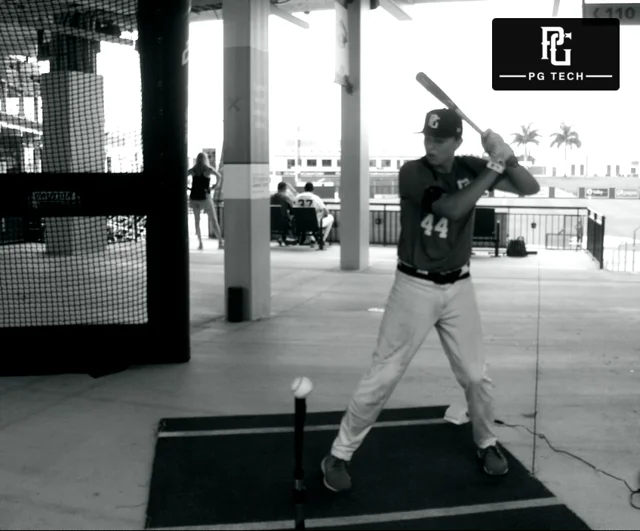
(301,387)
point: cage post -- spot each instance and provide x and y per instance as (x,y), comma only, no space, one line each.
(163,35)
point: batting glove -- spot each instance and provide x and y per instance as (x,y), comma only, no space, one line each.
(496,147)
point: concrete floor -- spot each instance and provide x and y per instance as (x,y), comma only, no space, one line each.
(77,453)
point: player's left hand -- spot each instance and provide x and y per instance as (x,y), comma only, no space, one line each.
(495,146)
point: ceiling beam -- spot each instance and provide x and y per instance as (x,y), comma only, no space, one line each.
(298,6)
(200,15)
(205,16)
(288,17)
(394,10)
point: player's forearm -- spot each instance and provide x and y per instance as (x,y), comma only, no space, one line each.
(522,180)
(456,205)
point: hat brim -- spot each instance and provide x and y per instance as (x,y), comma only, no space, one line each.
(438,136)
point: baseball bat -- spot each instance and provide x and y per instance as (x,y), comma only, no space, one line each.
(298,473)
(440,94)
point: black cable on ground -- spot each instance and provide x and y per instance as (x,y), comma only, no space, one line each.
(632,493)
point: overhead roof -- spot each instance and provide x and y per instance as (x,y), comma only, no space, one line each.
(22,18)
(200,8)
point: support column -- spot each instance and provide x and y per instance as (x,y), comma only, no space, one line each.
(163,39)
(354,180)
(246,159)
(73,134)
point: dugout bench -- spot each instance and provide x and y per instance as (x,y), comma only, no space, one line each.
(304,222)
(486,230)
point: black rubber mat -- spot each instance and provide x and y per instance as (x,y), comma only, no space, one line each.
(553,517)
(231,477)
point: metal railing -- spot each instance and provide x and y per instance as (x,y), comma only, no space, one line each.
(542,227)
(625,257)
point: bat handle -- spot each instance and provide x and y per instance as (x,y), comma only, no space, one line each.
(480,131)
(466,119)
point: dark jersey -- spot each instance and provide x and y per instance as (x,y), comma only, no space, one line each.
(429,242)
(200,185)
(283,200)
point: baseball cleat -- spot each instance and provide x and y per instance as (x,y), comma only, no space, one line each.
(494,463)
(336,474)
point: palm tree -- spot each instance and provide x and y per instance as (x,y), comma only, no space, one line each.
(525,137)
(566,137)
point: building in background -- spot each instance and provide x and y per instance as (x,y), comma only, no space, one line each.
(123,151)
(20,115)
(318,161)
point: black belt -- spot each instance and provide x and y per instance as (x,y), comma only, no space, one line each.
(437,278)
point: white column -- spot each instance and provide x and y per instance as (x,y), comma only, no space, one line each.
(354,180)
(247,261)
(72,142)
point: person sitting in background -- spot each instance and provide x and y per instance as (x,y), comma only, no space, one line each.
(309,199)
(283,198)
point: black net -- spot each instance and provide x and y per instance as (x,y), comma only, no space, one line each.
(70,106)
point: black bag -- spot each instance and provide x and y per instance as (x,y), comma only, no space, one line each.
(517,247)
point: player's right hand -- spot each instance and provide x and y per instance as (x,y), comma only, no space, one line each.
(495,146)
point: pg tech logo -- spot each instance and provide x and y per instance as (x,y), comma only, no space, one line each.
(553,38)
(556,54)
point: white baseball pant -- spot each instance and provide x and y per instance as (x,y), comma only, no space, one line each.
(326,223)
(413,308)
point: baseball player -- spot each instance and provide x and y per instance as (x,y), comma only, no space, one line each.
(433,288)
(309,199)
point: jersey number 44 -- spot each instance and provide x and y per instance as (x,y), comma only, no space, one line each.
(441,227)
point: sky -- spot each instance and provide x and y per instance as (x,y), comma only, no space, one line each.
(449,41)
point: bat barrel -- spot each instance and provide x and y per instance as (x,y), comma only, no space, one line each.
(441,96)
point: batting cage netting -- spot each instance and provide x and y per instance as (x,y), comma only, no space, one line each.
(76,194)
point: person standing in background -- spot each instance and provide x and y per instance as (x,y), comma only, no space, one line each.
(200,196)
